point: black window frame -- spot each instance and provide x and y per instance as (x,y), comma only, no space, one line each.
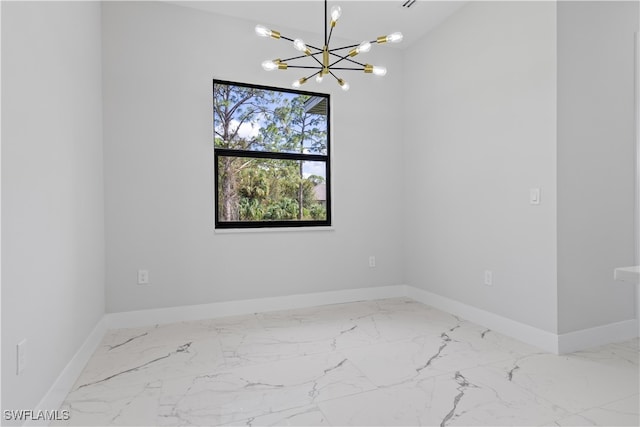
(227,152)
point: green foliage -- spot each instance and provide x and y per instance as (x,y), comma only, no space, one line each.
(251,209)
(284,209)
(318,211)
(269,189)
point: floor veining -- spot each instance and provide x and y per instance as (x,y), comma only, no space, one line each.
(392,362)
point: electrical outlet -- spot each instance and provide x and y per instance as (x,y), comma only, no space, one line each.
(488,277)
(21,356)
(372,261)
(143,277)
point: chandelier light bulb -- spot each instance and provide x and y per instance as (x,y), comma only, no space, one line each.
(364,47)
(344,85)
(379,71)
(336,11)
(395,37)
(319,78)
(296,84)
(263,31)
(299,45)
(269,65)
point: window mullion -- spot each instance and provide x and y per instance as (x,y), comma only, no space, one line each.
(228,152)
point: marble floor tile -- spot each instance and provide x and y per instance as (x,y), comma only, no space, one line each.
(399,319)
(578,381)
(457,398)
(460,347)
(621,413)
(387,362)
(143,355)
(259,390)
(291,333)
(123,405)
(304,416)
(274,343)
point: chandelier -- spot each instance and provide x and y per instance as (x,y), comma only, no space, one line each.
(325,59)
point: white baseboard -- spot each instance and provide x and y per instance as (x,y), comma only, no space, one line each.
(132,319)
(600,335)
(544,340)
(67,378)
(548,341)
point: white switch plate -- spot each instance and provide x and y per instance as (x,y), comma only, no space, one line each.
(488,277)
(143,277)
(21,356)
(534,196)
(372,261)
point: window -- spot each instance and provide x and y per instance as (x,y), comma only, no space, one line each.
(272,164)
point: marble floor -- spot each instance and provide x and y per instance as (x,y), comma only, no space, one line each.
(388,362)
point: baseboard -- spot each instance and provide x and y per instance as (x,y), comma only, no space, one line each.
(600,335)
(67,378)
(548,341)
(544,340)
(133,319)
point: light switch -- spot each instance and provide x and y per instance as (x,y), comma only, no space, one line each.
(534,196)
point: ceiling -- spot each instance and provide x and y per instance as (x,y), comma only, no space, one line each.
(360,20)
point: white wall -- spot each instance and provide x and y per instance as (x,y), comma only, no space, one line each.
(480,132)
(596,155)
(52,190)
(159,62)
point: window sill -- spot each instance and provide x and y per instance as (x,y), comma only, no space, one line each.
(271,229)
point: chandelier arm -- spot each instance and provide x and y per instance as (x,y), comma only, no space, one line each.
(334,76)
(316,48)
(296,57)
(309,46)
(351,69)
(314,74)
(313,55)
(336,62)
(344,47)
(349,47)
(329,39)
(319,62)
(305,66)
(355,62)
(345,58)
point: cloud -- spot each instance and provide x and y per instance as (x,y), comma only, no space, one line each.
(247,130)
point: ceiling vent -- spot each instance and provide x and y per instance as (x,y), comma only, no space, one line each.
(408,3)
